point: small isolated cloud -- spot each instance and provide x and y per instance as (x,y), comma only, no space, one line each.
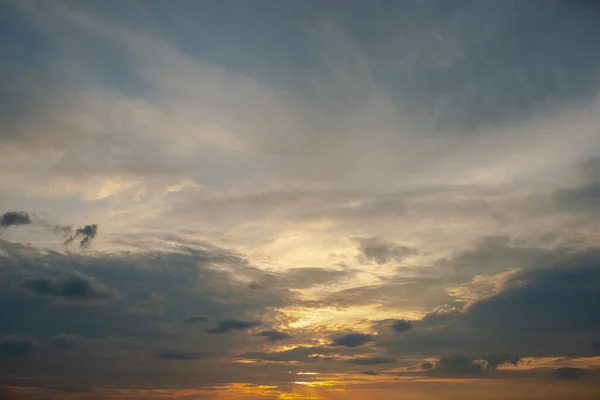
(402,325)
(85,235)
(426,366)
(72,287)
(274,336)
(381,251)
(182,355)
(457,365)
(568,373)
(352,339)
(195,319)
(227,325)
(16,346)
(372,360)
(14,218)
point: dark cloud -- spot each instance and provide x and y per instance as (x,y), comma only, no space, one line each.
(441,316)
(560,299)
(274,336)
(372,360)
(194,319)
(182,355)
(85,234)
(493,361)
(297,354)
(402,325)
(568,373)
(72,287)
(370,373)
(426,366)
(353,339)
(595,345)
(16,346)
(457,365)
(497,254)
(14,218)
(226,325)
(380,251)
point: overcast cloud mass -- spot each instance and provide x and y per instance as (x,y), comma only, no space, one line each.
(299,199)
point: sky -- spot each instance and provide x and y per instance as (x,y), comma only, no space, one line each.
(267,199)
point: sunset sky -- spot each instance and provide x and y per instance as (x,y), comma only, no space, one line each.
(299,199)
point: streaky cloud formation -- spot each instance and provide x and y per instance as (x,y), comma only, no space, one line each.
(182,355)
(274,336)
(72,287)
(194,319)
(227,325)
(320,200)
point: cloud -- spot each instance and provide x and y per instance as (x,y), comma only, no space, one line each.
(87,234)
(182,355)
(298,354)
(72,287)
(370,373)
(402,325)
(16,346)
(493,361)
(274,336)
(456,365)
(568,373)
(302,278)
(352,339)
(372,360)
(194,319)
(381,252)
(426,366)
(14,218)
(556,299)
(226,325)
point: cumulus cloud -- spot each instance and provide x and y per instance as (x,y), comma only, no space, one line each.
(381,251)
(226,325)
(72,287)
(274,336)
(352,339)
(194,319)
